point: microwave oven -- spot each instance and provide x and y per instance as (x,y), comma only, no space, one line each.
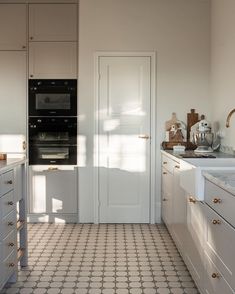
(52,97)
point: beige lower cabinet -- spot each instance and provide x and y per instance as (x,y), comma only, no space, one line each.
(52,194)
(203,232)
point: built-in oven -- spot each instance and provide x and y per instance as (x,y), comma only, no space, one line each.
(53,140)
(49,97)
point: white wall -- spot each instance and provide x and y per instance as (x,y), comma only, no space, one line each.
(223,65)
(178,30)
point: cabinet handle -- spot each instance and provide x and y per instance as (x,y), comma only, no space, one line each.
(164,173)
(164,199)
(11,264)
(24,145)
(31,76)
(216,222)
(217,200)
(8,182)
(177,166)
(215,275)
(10,224)
(31,38)
(10,203)
(192,200)
(11,244)
(164,162)
(23,47)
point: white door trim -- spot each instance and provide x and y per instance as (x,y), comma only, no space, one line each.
(152,56)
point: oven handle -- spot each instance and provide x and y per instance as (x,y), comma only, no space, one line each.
(51,169)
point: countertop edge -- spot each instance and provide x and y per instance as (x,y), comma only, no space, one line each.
(11,163)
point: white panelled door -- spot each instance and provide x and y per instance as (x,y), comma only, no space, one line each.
(124,139)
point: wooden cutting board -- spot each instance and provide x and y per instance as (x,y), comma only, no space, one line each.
(192,119)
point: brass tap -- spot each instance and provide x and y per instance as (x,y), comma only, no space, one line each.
(229,117)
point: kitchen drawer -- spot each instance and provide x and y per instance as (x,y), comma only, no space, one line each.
(9,266)
(215,283)
(7,203)
(169,164)
(9,244)
(221,201)
(7,224)
(7,182)
(220,244)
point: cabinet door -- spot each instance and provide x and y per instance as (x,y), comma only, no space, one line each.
(13,92)
(179,214)
(12,27)
(167,180)
(52,22)
(53,192)
(194,247)
(48,60)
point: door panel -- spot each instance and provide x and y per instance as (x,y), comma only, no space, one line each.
(124,158)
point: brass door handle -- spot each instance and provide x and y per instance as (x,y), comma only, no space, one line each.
(192,200)
(145,136)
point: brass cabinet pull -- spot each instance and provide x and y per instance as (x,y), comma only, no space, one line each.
(217,200)
(10,202)
(31,76)
(31,38)
(215,275)
(216,222)
(145,136)
(10,224)
(9,182)
(23,47)
(164,199)
(192,200)
(177,166)
(11,264)
(11,244)
(164,162)
(164,173)
(24,145)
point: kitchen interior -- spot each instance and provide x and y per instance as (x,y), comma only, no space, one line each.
(117,149)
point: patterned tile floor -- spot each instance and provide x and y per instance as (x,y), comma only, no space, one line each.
(107,259)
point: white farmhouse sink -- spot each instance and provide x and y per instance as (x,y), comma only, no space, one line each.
(191,175)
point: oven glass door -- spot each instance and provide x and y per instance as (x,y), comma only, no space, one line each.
(52,97)
(52,154)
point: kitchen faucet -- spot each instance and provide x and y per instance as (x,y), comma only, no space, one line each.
(229,117)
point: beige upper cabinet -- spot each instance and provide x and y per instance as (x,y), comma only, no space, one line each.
(52,22)
(13,26)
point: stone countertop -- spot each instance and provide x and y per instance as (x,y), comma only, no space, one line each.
(223,179)
(10,163)
(188,152)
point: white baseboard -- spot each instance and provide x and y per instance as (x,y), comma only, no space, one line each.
(52,218)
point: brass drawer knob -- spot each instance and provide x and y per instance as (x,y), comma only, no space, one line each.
(11,244)
(215,275)
(217,200)
(164,162)
(164,173)
(164,199)
(177,166)
(216,222)
(10,224)
(192,200)
(9,182)
(10,202)
(11,264)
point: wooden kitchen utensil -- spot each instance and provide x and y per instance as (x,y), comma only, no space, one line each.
(192,119)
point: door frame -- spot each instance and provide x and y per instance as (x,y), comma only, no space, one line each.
(152,55)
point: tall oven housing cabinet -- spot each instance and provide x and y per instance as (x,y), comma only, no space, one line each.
(52,122)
